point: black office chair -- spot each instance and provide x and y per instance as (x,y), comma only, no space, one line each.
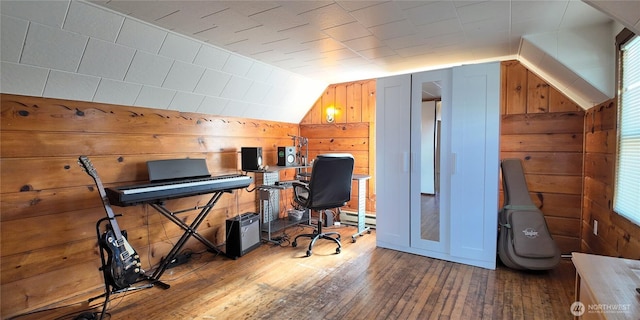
(328,188)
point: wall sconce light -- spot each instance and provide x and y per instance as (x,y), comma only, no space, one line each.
(331,113)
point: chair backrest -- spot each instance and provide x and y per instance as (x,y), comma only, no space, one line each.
(330,184)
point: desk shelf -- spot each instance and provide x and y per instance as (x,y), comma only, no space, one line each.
(269,204)
(283,223)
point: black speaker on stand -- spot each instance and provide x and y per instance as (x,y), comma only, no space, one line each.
(251,158)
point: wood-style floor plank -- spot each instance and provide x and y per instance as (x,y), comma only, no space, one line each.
(362,282)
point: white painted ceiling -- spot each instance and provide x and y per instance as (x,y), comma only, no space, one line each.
(272,59)
(339,41)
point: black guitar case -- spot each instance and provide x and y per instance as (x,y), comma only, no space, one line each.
(524,242)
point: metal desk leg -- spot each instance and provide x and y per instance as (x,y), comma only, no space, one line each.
(361,209)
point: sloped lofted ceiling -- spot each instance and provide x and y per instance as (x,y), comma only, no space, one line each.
(272,59)
(338,41)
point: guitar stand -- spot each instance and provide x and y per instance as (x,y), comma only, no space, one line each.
(109,289)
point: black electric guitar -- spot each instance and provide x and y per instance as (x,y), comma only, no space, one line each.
(123,265)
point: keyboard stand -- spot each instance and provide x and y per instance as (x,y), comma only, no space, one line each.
(189,231)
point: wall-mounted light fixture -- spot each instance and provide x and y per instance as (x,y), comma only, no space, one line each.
(331,114)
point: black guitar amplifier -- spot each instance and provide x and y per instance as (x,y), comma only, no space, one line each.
(243,234)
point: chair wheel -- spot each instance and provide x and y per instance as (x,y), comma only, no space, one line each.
(338,250)
(308,253)
(294,244)
(353,239)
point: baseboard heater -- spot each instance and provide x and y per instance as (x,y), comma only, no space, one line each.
(351,218)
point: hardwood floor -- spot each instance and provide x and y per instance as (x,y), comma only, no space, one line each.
(362,282)
(430,217)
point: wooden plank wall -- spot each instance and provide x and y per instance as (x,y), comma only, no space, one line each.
(544,129)
(353,130)
(617,236)
(49,206)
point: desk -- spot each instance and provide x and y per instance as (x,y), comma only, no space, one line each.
(269,202)
(269,195)
(606,287)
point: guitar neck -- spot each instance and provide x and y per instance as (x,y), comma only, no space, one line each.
(108,210)
(91,171)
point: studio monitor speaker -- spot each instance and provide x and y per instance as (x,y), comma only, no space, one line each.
(251,158)
(287,156)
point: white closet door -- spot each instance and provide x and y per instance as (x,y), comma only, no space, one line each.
(393,161)
(475,163)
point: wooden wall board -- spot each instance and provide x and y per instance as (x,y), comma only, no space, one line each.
(558,204)
(28,174)
(553,142)
(514,86)
(341,104)
(36,114)
(354,102)
(604,141)
(537,94)
(542,128)
(567,244)
(600,166)
(41,144)
(353,131)
(544,123)
(554,184)
(599,192)
(560,103)
(563,226)
(369,115)
(563,163)
(617,236)
(554,204)
(332,144)
(602,117)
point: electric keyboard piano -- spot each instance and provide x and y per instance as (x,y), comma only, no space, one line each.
(177,178)
(151,192)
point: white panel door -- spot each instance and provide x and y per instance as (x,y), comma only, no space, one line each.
(475,163)
(392,161)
